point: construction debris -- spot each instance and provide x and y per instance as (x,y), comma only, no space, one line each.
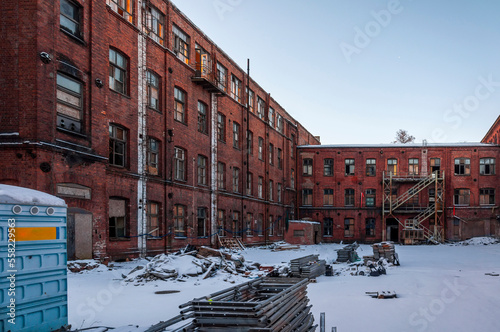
(385,250)
(284,246)
(348,253)
(308,267)
(383,294)
(264,304)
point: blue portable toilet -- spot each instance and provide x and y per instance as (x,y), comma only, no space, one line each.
(33,275)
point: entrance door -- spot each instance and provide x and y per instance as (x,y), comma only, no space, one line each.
(392,230)
(79,234)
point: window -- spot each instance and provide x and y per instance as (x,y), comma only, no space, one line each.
(235,88)
(179,164)
(221,127)
(271,225)
(69,103)
(153,217)
(202,66)
(280,225)
(117,146)
(248,223)
(221,222)
(236,224)
(328,197)
(70,19)
(202,118)
(349,167)
(370,197)
(298,232)
(261,148)
(123,7)
(221,76)
(249,142)
(236,135)
(117,72)
(270,116)
(348,227)
(154,24)
(307,166)
(279,123)
(487,166)
(307,197)
(221,175)
(462,166)
(179,105)
(292,178)
(251,100)
(279,189)
(271,186)
(328,227)
(261,107)
(236,179)
(181,44)
(292,145)
(249,184)
(117,218)
(370,227)
(153,152)
(392,166)
(371,167)
(271,154)
(486,196)
(413,166)
(435,164)
(259,225)
(153,90)
(328,167)
(202,170)
(202,222)
(179,220)
(260,193)
(461,197)
(349,197)
(280,159)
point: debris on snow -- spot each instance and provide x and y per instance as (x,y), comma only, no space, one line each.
(83,265)
(482,240)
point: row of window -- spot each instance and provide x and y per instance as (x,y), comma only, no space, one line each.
(460,197)
(461,166)
(348,227)
(119,227)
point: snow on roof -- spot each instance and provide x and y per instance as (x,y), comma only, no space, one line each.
(304,222)
(399,145)
(19,195)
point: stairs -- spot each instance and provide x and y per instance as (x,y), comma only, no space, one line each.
(231,243)
(406,196)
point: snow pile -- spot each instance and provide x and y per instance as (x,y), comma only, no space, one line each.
(483,240)
(19,195)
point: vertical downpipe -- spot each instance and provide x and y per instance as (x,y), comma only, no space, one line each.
(213,170)
(141,135)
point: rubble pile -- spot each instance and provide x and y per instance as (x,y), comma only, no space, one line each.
(85,265)
(385,250)
(307,267)
(348,253)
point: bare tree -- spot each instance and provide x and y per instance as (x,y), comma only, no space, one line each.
(402,136)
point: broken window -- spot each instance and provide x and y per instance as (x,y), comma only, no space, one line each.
(280,159)
(236,224)
(371,167)
(307,166)
(179,164)
(462,166)
(461,197)
(123,7)
(202,222)
(292,145)
(249,142)
(259,226)
(154,24)
(261,107)
(271,117)
(328,197)
(435,164)
(202,170)
(118,65)
(236,179)
(249,222)
(235,88)
(117,218)
(117,146)
(307,197)
(179,105)
(260,183)
(153,152)
(349,197)
(236,135)
(249,184)
(270,194)
(271,225)
(392,166)
(370,227)
(348,227)
(202,118)
(70,18)
(221,127)
(487,166)
(69,103)
(328,167)
(279,123)
(487,196)
(221,222)
(271,154)
(251,100)
(153,90)
(349,167)
(292,178)
(221,76)
(370,197)
(413,166)
(279,189)
(179,220)
(181,44)
(328,227)
(261,148)
(221,175)
(153,219)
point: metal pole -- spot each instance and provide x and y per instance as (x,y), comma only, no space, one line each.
(322,322)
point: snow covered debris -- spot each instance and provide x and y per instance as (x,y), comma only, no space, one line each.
(85,265)
(483,240)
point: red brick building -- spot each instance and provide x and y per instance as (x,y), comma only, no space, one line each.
(400,192)
(152,134)
(493,135)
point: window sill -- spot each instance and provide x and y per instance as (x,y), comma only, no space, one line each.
(461,174)
(120,93)
(183,123)
(74,37)
(119,239)
(154,109)
(487,174)
(180,237)
(153,238)
(69,132)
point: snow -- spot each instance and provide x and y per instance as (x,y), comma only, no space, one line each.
(304,222)
(19,195)
(439,288)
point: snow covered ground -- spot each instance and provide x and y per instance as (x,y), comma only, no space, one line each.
(440,288)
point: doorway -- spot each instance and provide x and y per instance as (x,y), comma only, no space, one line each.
(392,230)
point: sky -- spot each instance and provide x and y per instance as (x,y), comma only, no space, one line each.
(357,71)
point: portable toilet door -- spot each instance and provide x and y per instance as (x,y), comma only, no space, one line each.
(33,279)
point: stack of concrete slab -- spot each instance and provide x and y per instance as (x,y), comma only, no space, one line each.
(307,267)
(385,250)
(348,253)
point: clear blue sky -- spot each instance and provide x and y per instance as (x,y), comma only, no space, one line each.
(356,71)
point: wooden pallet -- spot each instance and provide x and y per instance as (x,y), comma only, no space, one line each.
(231,243)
